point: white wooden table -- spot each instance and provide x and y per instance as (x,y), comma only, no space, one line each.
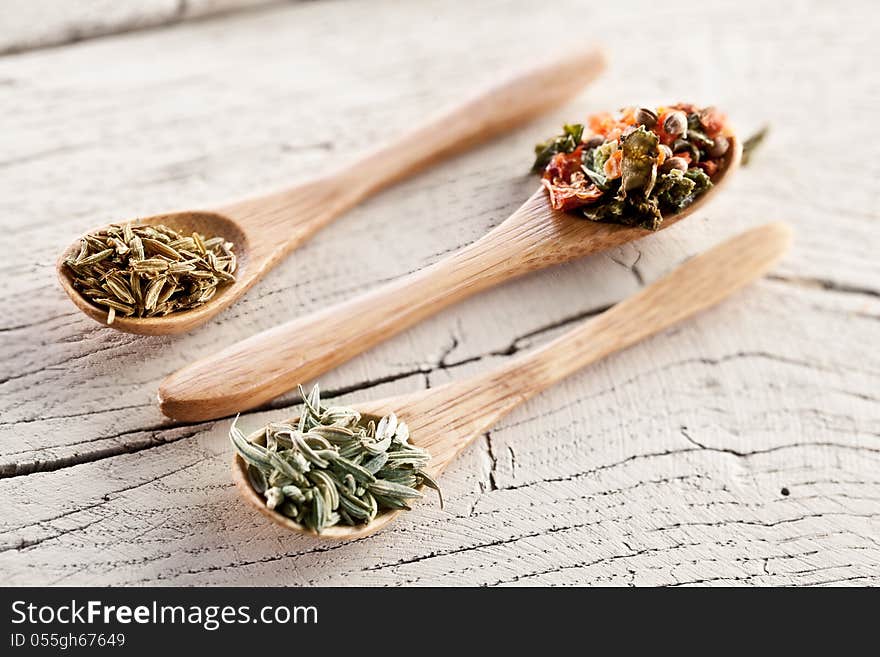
(741,447)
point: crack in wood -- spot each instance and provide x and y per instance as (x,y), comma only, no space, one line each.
(633,268)
(767,525)
(675,452)
(41,322)
(789,575)
(826,284)
(67,416)
(679,364)
(493,461)
(118,342)
(26,543)
(595,562)
(445,520)
(152,440)
(105,498)
(155,440)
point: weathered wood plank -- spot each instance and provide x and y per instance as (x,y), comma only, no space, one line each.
(42,23)
(663,465)
(615,477)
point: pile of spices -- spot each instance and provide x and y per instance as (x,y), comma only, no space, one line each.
(634,166)
(332,467)
(145,271)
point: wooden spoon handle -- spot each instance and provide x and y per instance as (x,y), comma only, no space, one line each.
(694,286)
(486,115)
(446,418)
(270,363)
(280,221)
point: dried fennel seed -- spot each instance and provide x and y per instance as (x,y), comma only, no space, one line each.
(334,468)
(145,271)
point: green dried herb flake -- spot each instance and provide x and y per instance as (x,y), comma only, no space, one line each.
(639,162)
(674,189)
(702,182)
(564,143)
(601,155)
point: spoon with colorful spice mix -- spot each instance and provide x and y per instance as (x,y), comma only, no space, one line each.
(345,473)
(618,179)
(170,273)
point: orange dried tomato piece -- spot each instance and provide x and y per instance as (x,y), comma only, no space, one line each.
(563,165)
(665,137)
(571,196)
(602,123)
(612,168)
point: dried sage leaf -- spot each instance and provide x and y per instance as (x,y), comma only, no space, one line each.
(332,467)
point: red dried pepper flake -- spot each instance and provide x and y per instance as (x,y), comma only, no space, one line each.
(713,121)
(601,123)
(628,116)
(710,167)
(570,196)
(565,182)
(563,165)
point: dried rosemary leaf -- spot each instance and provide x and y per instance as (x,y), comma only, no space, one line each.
(333,467)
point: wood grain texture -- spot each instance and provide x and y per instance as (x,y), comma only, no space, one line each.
(662,465)
(43,23)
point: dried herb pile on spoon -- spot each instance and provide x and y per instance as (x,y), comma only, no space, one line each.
(144,271)
(333,467)
(634,166)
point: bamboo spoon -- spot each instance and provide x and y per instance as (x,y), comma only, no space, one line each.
(266,229)
(446,419)
(267,364)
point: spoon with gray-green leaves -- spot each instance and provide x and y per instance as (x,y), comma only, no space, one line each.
(348,472)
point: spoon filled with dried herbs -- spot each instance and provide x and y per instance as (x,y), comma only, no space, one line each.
(146,271)
(573,214)
(331,468)
(347,472)
(104,273)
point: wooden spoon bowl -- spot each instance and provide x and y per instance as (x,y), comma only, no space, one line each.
(246,490)
(208,224)
(446,419)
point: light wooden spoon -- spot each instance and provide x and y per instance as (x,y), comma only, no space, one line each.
(267,364)
(266,229)
(446,419)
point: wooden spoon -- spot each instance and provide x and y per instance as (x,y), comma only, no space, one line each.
(267,364)
(446,419)
(266,229)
